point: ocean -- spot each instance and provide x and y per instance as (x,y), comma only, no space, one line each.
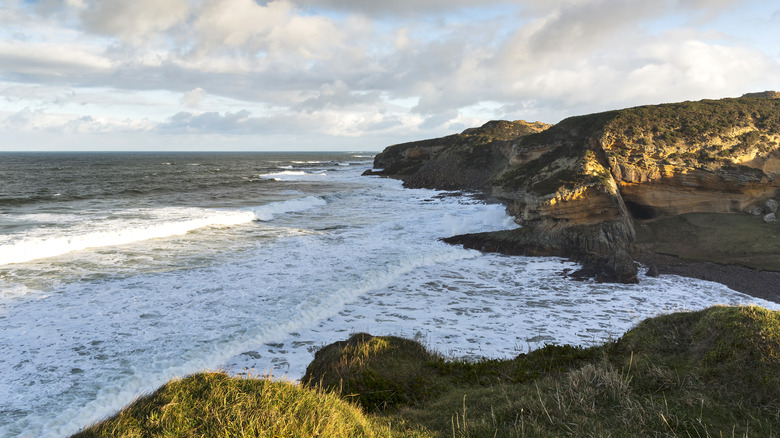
(120,271)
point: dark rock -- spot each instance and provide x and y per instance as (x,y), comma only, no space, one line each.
(652,271)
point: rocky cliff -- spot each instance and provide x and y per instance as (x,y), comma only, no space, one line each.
(469,160)
(579,186)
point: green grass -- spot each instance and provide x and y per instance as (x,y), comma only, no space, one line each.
(215,405)
(709,373)
(724,238)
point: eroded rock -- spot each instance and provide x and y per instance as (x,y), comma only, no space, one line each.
(577,187)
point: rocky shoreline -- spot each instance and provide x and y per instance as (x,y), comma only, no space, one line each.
(613,188)
(760,284)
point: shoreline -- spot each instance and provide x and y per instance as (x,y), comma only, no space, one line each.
(759,284)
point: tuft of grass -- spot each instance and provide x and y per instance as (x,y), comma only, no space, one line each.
(377,373)
(213,404)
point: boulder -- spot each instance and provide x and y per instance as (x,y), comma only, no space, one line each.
(652,271)
(771,205)
(770,218)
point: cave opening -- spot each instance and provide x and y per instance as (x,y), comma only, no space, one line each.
(639,211)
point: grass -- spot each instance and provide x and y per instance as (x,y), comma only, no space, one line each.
(724,238)
(709,373)
(215,405)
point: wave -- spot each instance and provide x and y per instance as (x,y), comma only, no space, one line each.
(484,217)
(33,248)
(290,175)
(269,211)
(125,232)
(284,173)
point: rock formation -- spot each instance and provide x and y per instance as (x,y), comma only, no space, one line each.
(577,187)
(469,160)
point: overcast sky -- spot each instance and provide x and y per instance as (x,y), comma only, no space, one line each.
(356,74)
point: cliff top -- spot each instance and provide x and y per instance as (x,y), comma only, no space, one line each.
(764,95)
(506,130)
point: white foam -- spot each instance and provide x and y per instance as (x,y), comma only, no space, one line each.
(120,233)
(269,211)
(492,306)
(490,217)
(292,175)
(284,173)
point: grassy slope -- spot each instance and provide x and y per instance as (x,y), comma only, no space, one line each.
(727,239)
(709,373)
(215,405)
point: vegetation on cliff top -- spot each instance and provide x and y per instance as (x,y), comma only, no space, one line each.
(714,372)
(473,148)
(706,134)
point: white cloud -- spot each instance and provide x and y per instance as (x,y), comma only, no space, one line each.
(193,98)
(40,120)
(133,21)
(274,29)
(51,60)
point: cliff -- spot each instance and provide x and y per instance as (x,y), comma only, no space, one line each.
(469,160)
(579,187)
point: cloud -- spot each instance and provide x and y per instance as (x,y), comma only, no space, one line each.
(39,60)
(233,123)
(337,95)
(41,120)
(344,68)
(274,29)
(397,7)
(133,21)
(193,98)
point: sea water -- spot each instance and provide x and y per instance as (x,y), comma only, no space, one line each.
(121,271)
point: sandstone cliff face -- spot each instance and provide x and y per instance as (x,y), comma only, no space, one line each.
(577,187)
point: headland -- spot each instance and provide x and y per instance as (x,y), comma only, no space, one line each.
(687,188)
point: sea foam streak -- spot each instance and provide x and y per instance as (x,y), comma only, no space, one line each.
(33,248)
(137,230)
(269,211)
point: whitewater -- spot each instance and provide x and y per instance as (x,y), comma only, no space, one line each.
(119,272)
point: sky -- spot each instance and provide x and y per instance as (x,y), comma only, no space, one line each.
(358,75)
